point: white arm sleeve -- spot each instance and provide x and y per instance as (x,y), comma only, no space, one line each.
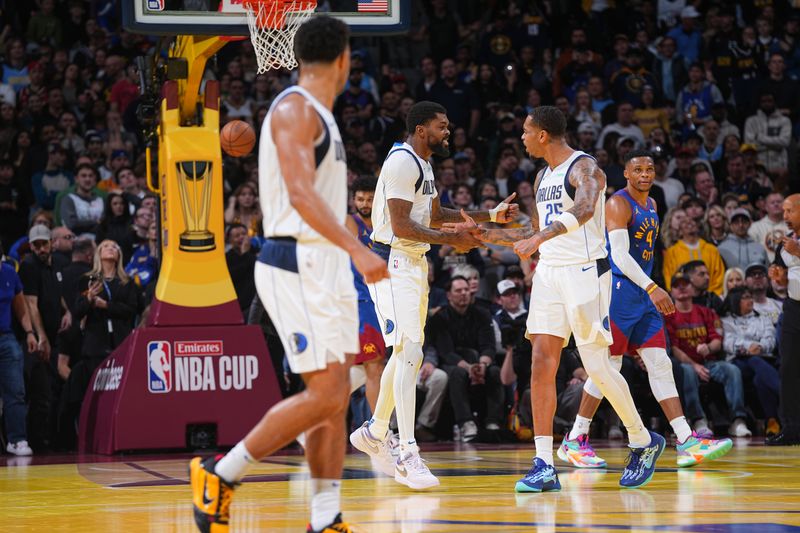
(620,245)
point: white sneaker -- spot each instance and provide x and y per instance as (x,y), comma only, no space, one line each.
(19,448)
(469,430)
(379,451)
(411,471)
(394,444)
(491,426)
(739,429)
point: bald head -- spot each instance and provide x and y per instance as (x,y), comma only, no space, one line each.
(791,212)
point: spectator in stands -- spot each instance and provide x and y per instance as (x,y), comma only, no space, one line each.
(81,210)
(749,340)
(711,149)
(693,106)
(669,69)
(770,230)
(12,383)
(429,78)
(116,224)
(737,180)
(627,84)
(141,225)
(694,332)
(598,93)
(703,186)
(687,37)
(143,266)
(757,281)
(243,208)
(648,115)
(672,187)
(739,249)
(54,179)
(784,89)
(715,225)
(61,243)
(734,277)
(70,340)
(697,272)
(624,126)
(241,260)
(771,132)
(239,106)
(460,100)
(108,302)
(692,247)
(41,276)
(463,337)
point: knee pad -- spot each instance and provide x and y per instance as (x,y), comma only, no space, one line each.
(591,389)
(659,370)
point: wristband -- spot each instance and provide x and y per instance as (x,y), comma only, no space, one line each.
(652,289)
(569,221)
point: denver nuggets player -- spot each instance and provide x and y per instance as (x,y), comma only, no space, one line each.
(405,209)
(571,293)
(303,278)
(636,307)
(369,360)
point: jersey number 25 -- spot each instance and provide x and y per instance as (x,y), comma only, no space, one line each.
(552,210)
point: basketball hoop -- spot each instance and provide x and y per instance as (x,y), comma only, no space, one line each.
(273,25)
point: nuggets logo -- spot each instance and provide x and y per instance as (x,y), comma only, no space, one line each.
(159,367)
(298,343)
(369,349)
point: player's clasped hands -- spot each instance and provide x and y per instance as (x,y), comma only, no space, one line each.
(371,265)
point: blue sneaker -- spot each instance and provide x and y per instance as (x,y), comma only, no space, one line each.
(542,477)
(642,463)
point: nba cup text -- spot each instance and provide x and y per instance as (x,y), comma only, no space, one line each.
(198,366)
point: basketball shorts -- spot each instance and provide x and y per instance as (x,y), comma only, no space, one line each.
(401,301)
(369,334)
(308,292)
(635,321)
(572,299)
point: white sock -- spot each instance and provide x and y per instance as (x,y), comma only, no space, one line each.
(234,465)
(544,448)
(405,392)
(325,502)
(681,428)
(580,427)
(379,423)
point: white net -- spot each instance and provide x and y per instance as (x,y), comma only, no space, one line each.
(273,25)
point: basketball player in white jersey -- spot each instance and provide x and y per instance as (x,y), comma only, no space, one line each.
(304,280)
(571,294)
(405,211)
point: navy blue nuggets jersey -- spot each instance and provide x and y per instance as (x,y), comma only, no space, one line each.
(642,233)
(635,321)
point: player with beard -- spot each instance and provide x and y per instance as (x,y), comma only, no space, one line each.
(369,361)
(405,212)
(637,304)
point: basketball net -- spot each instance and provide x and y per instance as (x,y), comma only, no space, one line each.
(273,25)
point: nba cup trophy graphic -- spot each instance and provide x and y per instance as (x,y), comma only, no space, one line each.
(174,382)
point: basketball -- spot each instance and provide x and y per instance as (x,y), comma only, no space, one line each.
(237,138)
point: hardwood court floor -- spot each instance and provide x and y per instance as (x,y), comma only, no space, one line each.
(753,489)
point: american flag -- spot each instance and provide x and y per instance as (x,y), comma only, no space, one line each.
(373,6)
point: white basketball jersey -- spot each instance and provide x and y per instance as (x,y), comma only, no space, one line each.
(405,176)
(330,180)
(554,196)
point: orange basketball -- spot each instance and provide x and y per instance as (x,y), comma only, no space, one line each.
(237,138)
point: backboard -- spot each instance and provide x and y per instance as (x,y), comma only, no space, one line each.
(227,17)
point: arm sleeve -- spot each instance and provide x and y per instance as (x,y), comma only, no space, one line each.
(400,175)
(620,247)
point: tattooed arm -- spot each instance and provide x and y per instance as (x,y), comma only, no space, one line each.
(588,180)
(505,212)
(405,228)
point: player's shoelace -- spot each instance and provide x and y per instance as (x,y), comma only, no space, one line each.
(638,460)
(585,447)
(417,464)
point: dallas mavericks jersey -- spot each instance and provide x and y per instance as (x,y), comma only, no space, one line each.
(358,279)
(330,179)
(404,176)
(554,196)
(642,233)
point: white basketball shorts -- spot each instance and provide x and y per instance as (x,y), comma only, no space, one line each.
(572,299)
(308,292)
(401,302)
